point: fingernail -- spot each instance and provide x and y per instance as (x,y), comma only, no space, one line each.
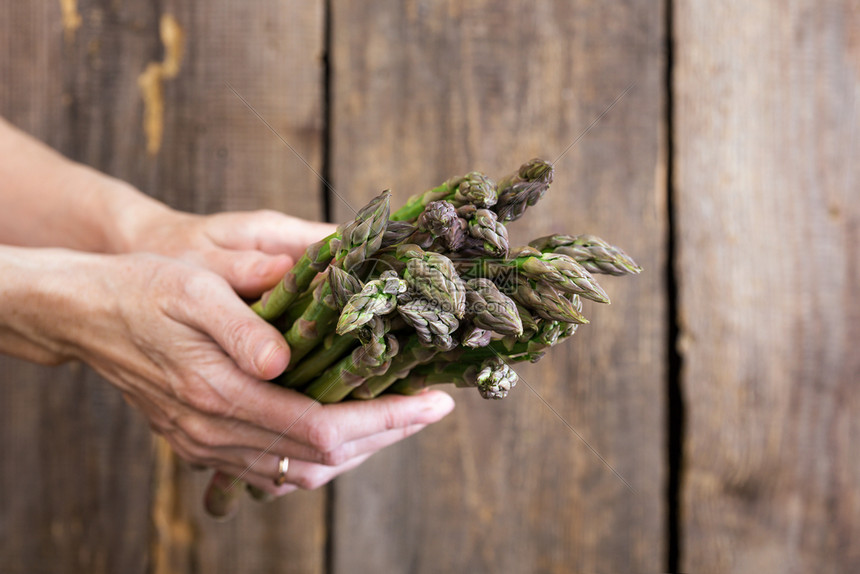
(266,356)
(437,405)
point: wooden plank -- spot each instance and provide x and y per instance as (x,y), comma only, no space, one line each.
(219,155)
(426,90)
(73,451)
(768,212)
(78,475)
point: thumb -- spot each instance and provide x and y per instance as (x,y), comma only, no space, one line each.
(248,272)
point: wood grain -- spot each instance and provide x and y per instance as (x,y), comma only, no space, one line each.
(79,476)
(769,222)
(426,90)
(72,449)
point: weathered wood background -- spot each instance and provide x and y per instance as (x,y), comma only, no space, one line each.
(716,143)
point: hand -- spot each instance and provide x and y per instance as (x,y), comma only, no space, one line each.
(251,250)
(193,357)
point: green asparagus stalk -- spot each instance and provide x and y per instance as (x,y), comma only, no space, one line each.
(559,271)
(437,218)
(274,302)
(474,188)
(314,324)
(359,239)
(362,237)
(333,347)
(378,297)
(399,232)
(529,322)
(490,309)
(352,236)
(331,350)
(372,358)
(434,277)
(590,251)
(492,377)
(539,335)
(546,301)
(412,354)
(522,189)
(439,227)
(486,234)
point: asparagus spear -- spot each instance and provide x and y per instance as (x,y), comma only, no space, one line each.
(492,377)
(436,221)
(412,354)
(350,242)
(590,251)
(429,309)
(559,271)
(331,350)
(522,189)
(487,235)
(433,276)
(343,286)
(359,240)
(314,324)
(377,297)
(473,188)
(490,309)
(433,325)
(474,337)
(372,358)
(546,301)
(275,301)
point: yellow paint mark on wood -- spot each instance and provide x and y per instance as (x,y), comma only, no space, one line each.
(151,81)
(150,84)
(71,18)
(174,532)
(173,39)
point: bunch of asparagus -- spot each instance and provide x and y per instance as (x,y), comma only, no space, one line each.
(432,293)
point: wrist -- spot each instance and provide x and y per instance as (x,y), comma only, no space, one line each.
(43,303)
(128,215)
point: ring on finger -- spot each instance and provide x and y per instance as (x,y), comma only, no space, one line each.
(283,466)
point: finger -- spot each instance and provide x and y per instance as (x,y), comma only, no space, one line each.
(301,474)
(245,460)
(324,428)
(250,273)
(309,476)
(267,231)
(242,435)
(370,445)
(210,451)
(263,482)
(221,498)
(210,306)
(356,420)
(224,491)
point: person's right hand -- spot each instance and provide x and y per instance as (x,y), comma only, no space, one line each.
(193,357)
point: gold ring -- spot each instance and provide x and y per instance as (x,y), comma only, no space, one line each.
(283,466)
